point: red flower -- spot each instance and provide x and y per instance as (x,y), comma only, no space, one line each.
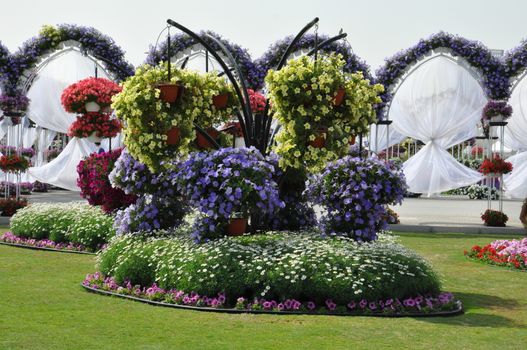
(99,90)
(94,122)
(496,165)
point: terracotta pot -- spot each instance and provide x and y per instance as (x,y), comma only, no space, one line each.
(202,142)
(220,101)
(236,226)
(339,97)
(170,92)
(174,135)
(92,107)
(352,140)
(320,139)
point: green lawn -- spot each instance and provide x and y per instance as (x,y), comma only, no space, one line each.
(42,306)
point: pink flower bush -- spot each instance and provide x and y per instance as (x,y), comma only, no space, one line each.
(98,90)
(95,185)
(257,101)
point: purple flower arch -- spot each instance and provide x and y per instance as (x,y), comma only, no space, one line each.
(272,56)
(101,46)
(182,41)
(4,61)
(495,80)
(515,60)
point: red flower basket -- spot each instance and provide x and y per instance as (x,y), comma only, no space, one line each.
(96,124)
(98,90)
(494,218)
(495,165)
(13,163)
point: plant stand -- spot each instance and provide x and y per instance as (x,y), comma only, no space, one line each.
(491,179)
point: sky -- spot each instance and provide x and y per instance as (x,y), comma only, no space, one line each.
(376,29)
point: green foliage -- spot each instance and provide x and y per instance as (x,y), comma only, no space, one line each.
(64,222)
(280,266)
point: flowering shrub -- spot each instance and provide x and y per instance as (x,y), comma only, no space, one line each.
(9,237)
(94,183)
(25,187)
(476,192)
(496,108)
(495,165)
(273,266)
(148,119)
(76,222)
(226,182)
(149,213)
(98,90)
(9,206)
(40,186)
(411,305)
(354,193)
(494,218)
(302,96)
(132,176)
(510,253)
(13,103)
(96,123)
(13,163)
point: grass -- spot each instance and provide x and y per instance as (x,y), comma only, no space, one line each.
(42,306)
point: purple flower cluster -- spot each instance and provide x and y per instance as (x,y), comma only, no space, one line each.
(15,101)
(133,177)
(515,60)
(496,108)
(494,74)
(354,193)
(272,56)
(180,42)
(227,182)
(90,39)
(25,187)
(9,237)
(150,212)
(420,303)
(28,152)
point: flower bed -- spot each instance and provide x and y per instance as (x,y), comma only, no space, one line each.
(299,271)
(509,253)
(76,223)
(12,239)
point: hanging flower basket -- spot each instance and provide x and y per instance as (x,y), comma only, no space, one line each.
(170,92)
(495,167)
(92,106)
(320,139)
(494,218)
(202,141)
(173,136)
(220,101)
(352,140)
(236,227)
(12,163)
(339,97)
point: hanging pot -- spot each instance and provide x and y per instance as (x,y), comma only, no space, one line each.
(352,140)
(170,92)
(239,142)
(339,97)
(15,120)
(173,136)
(497,119)
(320,139)
(92,106)
(220,101)
(94,138)
(236,227)
(202,141)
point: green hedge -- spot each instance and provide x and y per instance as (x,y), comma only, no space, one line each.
(273,266)
(75,222)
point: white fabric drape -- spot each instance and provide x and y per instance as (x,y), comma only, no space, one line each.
(383,142)
(516,182)
(516,139)
(45,108)
(440,104)
(44,139)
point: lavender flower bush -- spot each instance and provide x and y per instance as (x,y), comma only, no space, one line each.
(354,193)
(226,182)
(274,266)
(132,176)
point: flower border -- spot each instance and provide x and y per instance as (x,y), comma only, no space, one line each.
(35,247)
(495,78)
(457,311)
(51,37)
(273,54)
(182,41)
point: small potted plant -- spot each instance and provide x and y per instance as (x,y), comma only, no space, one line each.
(14,105)
(496,111)
(89,95)
(494,218)
(495,167)
(9,206)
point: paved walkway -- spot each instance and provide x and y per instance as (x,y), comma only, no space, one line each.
(441,214)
